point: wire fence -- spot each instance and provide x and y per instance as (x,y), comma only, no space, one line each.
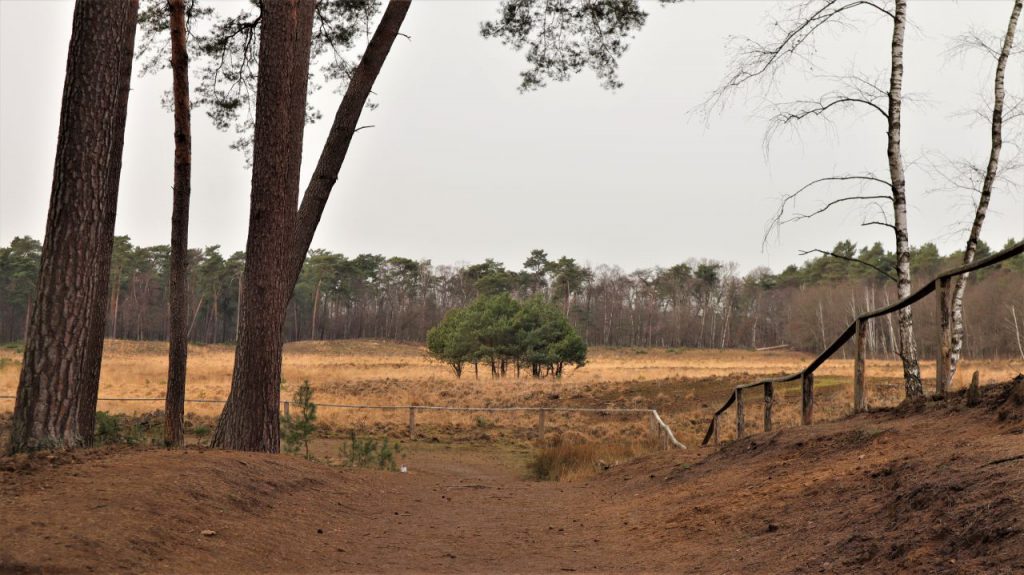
(657,425)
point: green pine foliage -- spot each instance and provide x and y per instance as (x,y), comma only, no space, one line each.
(370,452)
(297,430)
(118,429)
(505,335)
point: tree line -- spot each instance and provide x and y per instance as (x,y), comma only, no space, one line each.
(697,303)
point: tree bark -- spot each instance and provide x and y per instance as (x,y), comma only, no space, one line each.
(316,300)
(280,235)
(250,420)
(908,346)
(57,391)
(991,171)
(174,402)
(346,119)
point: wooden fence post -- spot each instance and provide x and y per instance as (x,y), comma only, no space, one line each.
(974,391)
(286,409)
(769,398)
(540,425)
(860,402)
(740,423)
(717,424)
(807,403)
(412,422)
(943,361)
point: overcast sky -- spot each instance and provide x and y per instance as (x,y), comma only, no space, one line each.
(460,166)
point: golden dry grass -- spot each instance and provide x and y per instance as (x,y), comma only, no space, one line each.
(684,385)
(570,457)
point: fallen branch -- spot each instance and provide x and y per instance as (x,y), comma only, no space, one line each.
(774,347)
(1005,460)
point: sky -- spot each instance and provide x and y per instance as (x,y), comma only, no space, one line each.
(460,166)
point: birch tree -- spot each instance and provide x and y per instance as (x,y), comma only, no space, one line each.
(991,170)
(757,65)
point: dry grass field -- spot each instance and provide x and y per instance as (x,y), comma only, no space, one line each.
(684,385)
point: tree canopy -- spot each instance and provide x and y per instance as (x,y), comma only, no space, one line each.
(505,334)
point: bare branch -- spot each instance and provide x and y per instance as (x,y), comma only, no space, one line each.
(974,41)
(757,63)
(789,114)
(874,223)
(777,220)
(798,217)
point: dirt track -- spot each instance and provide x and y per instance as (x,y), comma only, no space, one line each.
(937,490)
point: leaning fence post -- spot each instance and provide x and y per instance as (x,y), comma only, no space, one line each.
(769,398)
(740,423)
(412,422)
(943,361)
(859,399)
(540,425)
(974,391)
(807,399)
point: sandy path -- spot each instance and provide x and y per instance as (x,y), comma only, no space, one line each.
(455,511)
(471,511)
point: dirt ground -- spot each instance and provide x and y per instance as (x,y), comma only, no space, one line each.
(934,489)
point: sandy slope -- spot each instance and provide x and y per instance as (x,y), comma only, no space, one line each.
(939,488)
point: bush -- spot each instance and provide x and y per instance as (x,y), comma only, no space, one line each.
(505,334)
(370,452)
(115,429)
(201,432)
(296,431)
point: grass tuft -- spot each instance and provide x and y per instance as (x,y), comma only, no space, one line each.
(569,459)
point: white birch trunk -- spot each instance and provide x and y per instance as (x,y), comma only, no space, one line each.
(991,171)
(907,344)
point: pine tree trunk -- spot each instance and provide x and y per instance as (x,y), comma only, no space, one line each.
(280,235)
(991,171)
(907,344)
(117,299)
(238,310)
(174,403)
(316,300)
(56,401)
(314,199)
(250,420)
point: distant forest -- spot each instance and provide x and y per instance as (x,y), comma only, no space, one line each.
(698,303)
